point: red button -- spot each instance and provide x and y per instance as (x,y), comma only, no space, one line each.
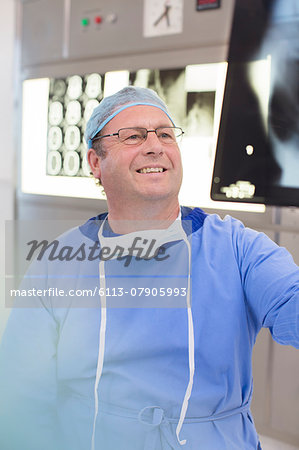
(98,19)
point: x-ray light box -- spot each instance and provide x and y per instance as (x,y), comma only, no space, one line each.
(55,112)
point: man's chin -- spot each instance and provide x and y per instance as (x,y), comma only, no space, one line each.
(153,195)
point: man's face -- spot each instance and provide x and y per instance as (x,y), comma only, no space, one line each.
(120,170)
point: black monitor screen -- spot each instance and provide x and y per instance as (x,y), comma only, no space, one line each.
(257,157)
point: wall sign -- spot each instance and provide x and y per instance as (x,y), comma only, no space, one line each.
(162,17)
(207,4)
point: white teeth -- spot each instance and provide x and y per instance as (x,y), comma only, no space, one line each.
(151,170)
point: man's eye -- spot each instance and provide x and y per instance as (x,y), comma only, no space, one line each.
(167,136)
(134,137)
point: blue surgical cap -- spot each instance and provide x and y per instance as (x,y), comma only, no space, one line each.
(114,104)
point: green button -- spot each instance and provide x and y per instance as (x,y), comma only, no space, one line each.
(85,22)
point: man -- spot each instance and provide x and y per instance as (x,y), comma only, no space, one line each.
(160,358)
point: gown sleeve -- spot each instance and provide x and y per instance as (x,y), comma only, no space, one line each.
(270,280)
(28,375)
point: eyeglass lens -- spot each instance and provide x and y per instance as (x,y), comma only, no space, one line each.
(134,136)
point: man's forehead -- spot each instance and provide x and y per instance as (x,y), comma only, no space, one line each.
(140,116)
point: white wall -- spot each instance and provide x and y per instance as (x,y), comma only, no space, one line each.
(7,147)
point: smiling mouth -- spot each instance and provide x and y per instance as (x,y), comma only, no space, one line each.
(151,170)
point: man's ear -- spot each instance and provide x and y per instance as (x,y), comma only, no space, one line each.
(94,162)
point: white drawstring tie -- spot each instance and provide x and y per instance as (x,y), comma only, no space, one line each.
(174,233)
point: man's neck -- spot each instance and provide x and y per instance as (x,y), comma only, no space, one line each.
(134,218)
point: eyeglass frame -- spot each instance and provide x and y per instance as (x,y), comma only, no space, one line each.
(140,128)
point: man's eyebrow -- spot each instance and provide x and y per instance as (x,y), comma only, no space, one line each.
(154,128)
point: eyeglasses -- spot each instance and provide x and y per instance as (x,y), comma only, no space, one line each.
(136,136)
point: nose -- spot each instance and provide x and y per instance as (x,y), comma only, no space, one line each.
(152,144)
